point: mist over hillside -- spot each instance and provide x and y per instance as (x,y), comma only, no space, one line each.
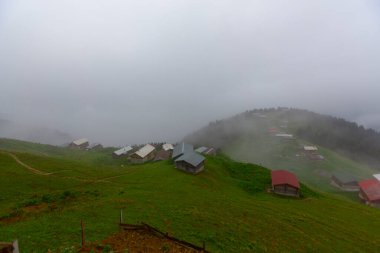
(39,134)
(140,71)
(340,135)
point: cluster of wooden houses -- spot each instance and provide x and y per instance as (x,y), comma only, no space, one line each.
(369,189)
(183,155)
(309,151)
(144,153)
(286,183)
(280,134)
(187,159)
(312,153)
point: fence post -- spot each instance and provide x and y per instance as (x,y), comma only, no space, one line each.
(15,246)
(121,216)
(83,234)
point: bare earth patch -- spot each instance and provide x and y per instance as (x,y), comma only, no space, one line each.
(138,241)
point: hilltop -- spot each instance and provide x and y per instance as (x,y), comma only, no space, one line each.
(227,205)
(344,145)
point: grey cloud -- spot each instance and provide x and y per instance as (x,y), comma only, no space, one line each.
(136,71)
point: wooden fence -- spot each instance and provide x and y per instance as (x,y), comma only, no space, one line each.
(148,228)
(9,247)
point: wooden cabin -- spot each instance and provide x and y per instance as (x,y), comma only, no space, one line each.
(370,192)
(345,181)
(285,183)
(210,151)
(167,147)
(95,146)
(310,148)
(181,149)
(285,136)
(190,162)
(144,154)
(206,151)
(80,143)
(201,150)
(162,155)
(121,152)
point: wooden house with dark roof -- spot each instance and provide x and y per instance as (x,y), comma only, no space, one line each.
(345,181)
(181,149)
(95,146)
(162,155)
(190,162)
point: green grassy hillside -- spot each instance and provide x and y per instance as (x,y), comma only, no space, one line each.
(276,153)
(90,157)
(226,206)
(246,138)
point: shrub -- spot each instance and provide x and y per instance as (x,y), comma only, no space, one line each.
(68,195)
(30,202)
(106,249)
(47,198)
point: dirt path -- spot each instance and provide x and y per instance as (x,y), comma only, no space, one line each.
(33,170)
(138,241)
(43,173)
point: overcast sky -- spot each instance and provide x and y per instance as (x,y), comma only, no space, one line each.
(123,72)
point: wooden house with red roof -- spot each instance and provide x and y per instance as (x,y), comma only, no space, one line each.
(285,183)
(370,192)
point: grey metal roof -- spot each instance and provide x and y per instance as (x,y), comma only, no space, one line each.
(144,151)
(310,148)
(192,158)
(167,146)
(345,177)
(201,149)
(181,149)
(123,151)
(94,145)
(80,141)
(209,151)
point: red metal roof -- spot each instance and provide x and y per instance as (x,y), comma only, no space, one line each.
(272,130)
(280,177)
(371,189)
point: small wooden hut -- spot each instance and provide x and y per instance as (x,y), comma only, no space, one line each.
(285,183)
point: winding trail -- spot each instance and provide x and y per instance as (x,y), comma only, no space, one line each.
(33,170)
(43,173)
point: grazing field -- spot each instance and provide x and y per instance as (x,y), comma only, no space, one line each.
(227,206)
(276,153)
(251,137)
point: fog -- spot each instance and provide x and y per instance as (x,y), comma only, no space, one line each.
(123,72)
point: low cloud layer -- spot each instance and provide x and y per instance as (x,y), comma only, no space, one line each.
(136,71)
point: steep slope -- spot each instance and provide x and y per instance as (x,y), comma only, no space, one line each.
(90,157)
(248,137)
(11,129)
(337,134)
(226,206)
